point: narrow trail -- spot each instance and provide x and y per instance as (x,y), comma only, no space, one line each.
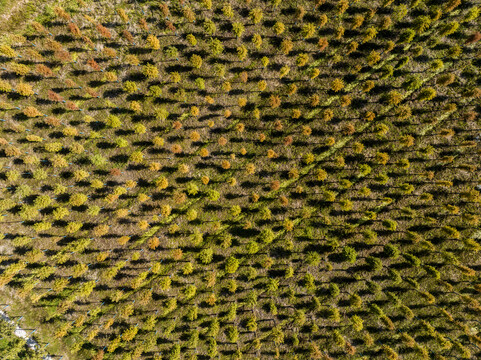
(21,333)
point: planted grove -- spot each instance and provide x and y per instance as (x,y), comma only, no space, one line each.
(243,179)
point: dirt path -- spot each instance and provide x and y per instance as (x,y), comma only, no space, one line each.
(31,343)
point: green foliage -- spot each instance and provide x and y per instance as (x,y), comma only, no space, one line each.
(201,179)
(149,70)
(206,256)
(349,254)
(231,265)
(374,264)
(13,347)
(130,87)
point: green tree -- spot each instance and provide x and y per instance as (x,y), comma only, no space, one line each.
(349,254)
(238,29)
(206,256)
(231,265)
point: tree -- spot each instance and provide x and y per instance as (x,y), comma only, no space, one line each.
(251,323)
(369,34)
(206,256)
(308,30)
(130,333)
(231,265)
(256,15)
(215,46)
(211,347)
(349,254)
(257,40)
(342,6)
(209,27)
(421,23)
(7,51)
(227,11)
(286,46)
(427,94)
(389,224)
(104,32)
(302,60)
(130,87)
(196,61)
(190,291)
(150,71)
(391,251)
(232,334)
(278,28)
(242,52)
(153,42)
(174,353)
(333,290)
(24,89)
(375,264)
(390,353)
(238,29)
(337,85)
(136,156)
